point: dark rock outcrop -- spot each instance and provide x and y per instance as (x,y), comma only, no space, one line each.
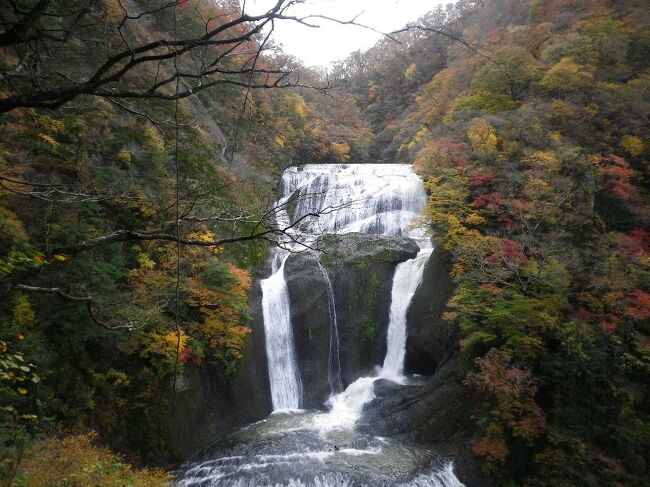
(430,412)
(430,340)
(311,325)
(360,268)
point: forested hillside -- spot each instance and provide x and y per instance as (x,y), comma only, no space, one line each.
(100,305)
(131,220)
(532,135)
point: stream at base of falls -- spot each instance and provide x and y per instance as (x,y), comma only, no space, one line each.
(295,447)
(302,448)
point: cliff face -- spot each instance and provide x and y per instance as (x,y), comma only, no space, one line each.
(360,269)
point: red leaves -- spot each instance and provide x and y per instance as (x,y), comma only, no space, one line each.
(185,355)
(640,308)
(482,178)
(490,201)
(616,173)
(609,326)
(507,250)
(492,446)
(513,390)
(636,242)
(497,376)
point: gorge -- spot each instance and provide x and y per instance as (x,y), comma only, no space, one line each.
(426,264)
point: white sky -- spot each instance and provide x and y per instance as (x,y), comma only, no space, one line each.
(332,41)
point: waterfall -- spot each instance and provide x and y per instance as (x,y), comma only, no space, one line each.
(286,388)
(334,372)
(313,448)
(382,199)
(408,276)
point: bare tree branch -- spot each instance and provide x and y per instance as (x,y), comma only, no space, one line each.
(89,300)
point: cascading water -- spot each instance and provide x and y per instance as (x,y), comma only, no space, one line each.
(286,388)
(380,199)
(408,276)
(312,448)
(334,372)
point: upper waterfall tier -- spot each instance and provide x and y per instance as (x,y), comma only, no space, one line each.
(382,199)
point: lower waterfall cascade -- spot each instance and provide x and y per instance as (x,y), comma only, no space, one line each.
(297,447)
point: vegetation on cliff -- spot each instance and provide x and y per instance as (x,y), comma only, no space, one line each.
(106,298)
(532,138)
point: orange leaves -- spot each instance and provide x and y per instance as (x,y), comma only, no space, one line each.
(222,309)
(439,154)
(243,276)
(511,391)
(492,446)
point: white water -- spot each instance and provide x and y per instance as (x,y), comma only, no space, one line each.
(408,277)
(286,388)
(368,198)
(347,407)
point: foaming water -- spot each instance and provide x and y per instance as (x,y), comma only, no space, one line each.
(286,388)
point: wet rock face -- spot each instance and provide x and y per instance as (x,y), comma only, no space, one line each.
(430,411)
(360,269)
(311,325)
(430,340)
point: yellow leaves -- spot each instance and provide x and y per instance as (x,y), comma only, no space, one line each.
(544,160)
(457,270)
(48,139)
(411,73)
(633,145)
(76,461)
(280,140)
(118,378)
(23,314)
(341,151)
(145,261)
(475,219)
(300,108)
(555,136)
(420,136)
(481,135)
(168,343)
(113,10)
(562,109)
(125,158)
(154,139)
(49,128)
(50,125)
(566,75)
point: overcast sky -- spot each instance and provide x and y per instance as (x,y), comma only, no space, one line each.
(332,42)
